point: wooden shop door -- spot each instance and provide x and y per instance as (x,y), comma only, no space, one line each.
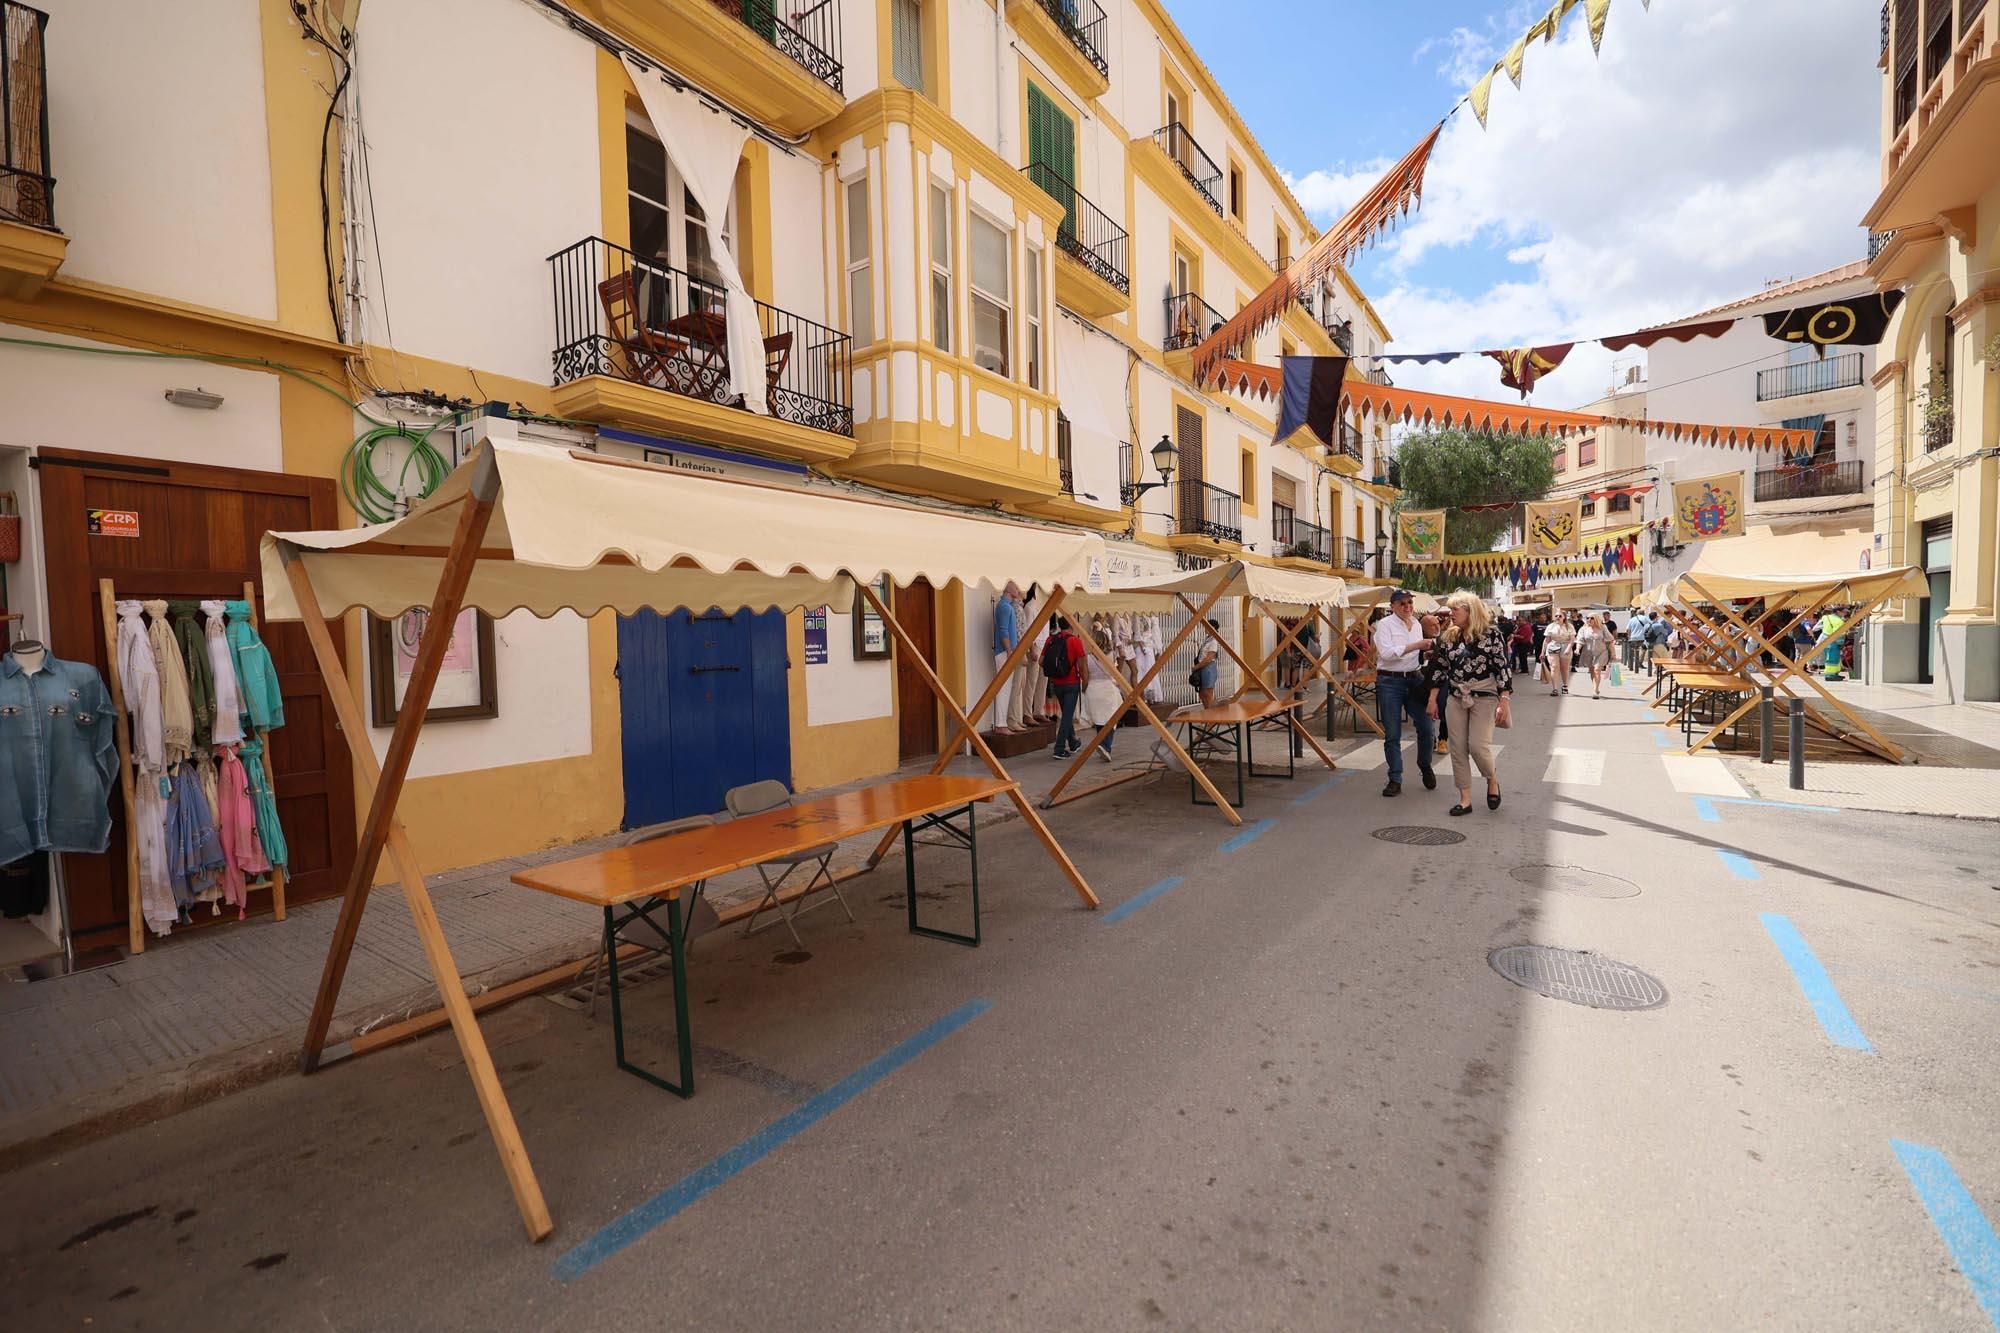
(916,706)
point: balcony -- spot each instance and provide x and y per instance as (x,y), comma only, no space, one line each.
(1207,520)
(781,65)
(1095,281)
(1944,95)
(1299,544)
(1811,482)
(1198,167)
(31,249)
(1128,489)
(1071,35)
(1802,377)
(1353,556)
(1345,456)
(1189,320)
(639,343)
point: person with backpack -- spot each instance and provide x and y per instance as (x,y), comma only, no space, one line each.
(1205,672)
(1063,663)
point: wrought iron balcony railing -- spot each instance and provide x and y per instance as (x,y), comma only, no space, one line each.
(634,318)
(1789,381)
(1128,489)
(1086,235)
(1065,459)
(1293,536)
(1352,554)
(1197,166)
(1189,320)
(1342,334)
(1082,21)
(27,190)
(810,36)
(1209,511)
(1348,440)
(1878,239)
(1809,482)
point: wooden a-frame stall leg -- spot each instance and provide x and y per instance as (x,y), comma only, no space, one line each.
(1252,676)
(1134,696)
(994,689)
(1337,648)
(964,724)
(1316,664)
(384,782)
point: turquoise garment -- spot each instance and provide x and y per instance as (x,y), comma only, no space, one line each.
(256,675)
(269,832)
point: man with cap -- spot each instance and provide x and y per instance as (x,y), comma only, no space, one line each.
(1399,689)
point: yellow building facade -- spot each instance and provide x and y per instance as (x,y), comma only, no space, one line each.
(1935,233)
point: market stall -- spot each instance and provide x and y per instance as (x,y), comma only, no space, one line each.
(1279,594)
(525,527)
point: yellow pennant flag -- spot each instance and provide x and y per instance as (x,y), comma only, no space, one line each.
(1420,537)
(1482,93)
(1708,507)
(1554,527)
(1597,11)
(1515,54)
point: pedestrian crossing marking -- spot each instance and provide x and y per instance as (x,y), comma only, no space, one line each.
(1701,775)
(1575,768)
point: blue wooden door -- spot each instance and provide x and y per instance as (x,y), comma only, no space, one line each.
(704,709)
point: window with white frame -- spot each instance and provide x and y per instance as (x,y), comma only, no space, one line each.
(906,42)
(860,277)
(992,306)
(1031,314)
(941,252)
(669,232)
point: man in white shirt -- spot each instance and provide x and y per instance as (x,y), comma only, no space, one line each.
(1399,689)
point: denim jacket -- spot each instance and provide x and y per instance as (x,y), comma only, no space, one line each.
(58,758)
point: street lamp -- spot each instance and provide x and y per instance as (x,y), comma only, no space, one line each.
(1164,458)
(1382,546)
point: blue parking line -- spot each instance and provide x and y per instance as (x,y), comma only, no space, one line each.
(689,1189)
(1249,835)
(1780,805)
(1320,788)
(1739,864)
(1661,739)
(1141,898)
(1956,1215)
(1814,983)
(1704,810)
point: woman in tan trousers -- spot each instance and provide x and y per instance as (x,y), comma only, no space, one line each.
(1478,684)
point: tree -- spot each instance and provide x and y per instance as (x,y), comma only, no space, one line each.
(1444,469)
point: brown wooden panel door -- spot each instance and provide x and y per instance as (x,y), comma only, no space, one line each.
(198,534)
(916,706)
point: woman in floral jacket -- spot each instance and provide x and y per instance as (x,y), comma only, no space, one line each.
(1477,686)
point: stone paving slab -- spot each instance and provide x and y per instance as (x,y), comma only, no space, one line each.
(1964,793)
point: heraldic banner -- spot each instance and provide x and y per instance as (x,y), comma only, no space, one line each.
(1420,537)
(1708,507)
(1555,528)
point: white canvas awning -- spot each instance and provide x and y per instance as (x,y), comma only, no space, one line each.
(1420,602)
(574,530)
(1788,569)
(1280,589)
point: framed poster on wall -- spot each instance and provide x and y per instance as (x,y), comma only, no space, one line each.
(465,684)
(871,633)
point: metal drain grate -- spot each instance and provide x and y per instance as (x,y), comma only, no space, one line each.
(1580,978)
(1577,880)
(1419,835)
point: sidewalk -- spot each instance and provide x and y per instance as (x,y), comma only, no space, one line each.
(213,1011)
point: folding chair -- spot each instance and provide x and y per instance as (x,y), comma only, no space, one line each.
(700,916)
(771,794)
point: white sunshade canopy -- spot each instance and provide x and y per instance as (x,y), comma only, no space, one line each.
(575,531)
(1788,570)
(1421,602)
(1281,589)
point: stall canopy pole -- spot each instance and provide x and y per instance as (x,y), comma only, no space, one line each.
(1021,802)
(473,517)
(451,987)
(949,750)
(1251,674)
(1136,694)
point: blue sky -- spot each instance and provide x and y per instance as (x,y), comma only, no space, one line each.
(1713,146)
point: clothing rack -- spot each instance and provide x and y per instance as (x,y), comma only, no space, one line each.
(107,597)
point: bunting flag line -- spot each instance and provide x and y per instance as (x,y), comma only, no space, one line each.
(1553,527)
(1861,321)
(1548,27)
(1400,190)
(1309,395)
(1520,367)
(1420,537)
(1680,333)
(1708,507)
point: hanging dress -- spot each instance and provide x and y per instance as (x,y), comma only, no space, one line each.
(139,678)
(236,825)
(176,713)
(194,852)
(222,666)
(200,672)
(270,835)
(256,675)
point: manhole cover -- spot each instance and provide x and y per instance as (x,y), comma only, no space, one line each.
(1419,835)
(1580,978)
(1575,879)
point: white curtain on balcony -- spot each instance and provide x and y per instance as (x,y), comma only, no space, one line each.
(1091,387)
(705,145)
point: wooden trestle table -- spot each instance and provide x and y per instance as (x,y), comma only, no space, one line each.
(630,883)
(1227,725)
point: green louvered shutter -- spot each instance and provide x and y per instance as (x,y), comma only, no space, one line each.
(1052,143)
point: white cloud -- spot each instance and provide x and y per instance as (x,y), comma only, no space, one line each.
(1326,194)
(1712,147)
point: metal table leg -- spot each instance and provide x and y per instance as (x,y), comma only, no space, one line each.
(676,950)
(968,838)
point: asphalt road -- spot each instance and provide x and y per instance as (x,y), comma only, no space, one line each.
(1286,1091)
